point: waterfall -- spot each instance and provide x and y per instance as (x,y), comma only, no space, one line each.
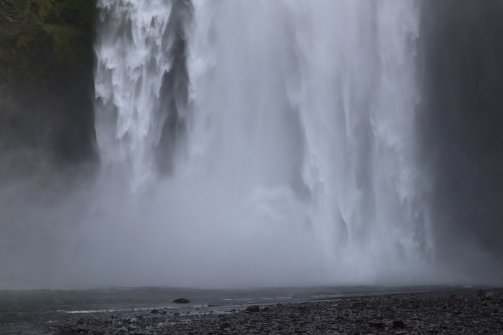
(140,81)
(271,139)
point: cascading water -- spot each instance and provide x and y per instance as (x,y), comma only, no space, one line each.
(140,80)
(272,141)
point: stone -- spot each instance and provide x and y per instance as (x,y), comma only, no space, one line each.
(253,309)
(377,325)
(225,325)
(398,324)
(181,301)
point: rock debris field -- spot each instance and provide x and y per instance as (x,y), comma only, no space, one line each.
(446,312)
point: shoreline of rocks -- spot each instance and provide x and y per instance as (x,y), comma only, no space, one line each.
(445,312)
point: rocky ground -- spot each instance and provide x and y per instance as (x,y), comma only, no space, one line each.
(446,312)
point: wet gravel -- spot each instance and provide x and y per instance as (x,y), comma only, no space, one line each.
(446,312)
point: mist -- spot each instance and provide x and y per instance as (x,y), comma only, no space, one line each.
(270,143)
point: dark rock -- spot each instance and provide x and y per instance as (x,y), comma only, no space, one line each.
(46,80)
(154,311)
(253,309)
(398,324)
(225,325)
(489,294)
(377,325)
(181,301)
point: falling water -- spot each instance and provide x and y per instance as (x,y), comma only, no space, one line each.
(270,141)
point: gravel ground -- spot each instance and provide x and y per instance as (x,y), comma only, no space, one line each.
(446,312)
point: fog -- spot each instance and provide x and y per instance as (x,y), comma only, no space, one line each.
(273,143)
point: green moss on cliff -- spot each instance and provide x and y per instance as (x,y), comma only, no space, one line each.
(68,45)
(43,40)
(46,68)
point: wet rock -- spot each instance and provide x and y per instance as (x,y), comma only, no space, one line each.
(377,325)
(253,309)
(225,325)
(181,301)
(123,330)
(398,324)
(481,293)
(489,294)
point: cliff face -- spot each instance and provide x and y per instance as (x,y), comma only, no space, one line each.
(46,81)
(461,72)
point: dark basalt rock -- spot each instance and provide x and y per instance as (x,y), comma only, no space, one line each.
(181,301)
(253,309)
(398,324)
(377,325)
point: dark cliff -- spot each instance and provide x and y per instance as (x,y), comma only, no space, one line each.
(46,82)
(461,74)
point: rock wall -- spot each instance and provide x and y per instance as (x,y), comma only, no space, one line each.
(461,73)
(46,82)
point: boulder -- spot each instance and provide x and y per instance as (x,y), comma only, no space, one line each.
(253,309)
(398,324)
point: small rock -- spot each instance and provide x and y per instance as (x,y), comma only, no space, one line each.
(225,325)
(253,309)
(181,301)
(377,325)
(398,324)
(133,320)
(154,311)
